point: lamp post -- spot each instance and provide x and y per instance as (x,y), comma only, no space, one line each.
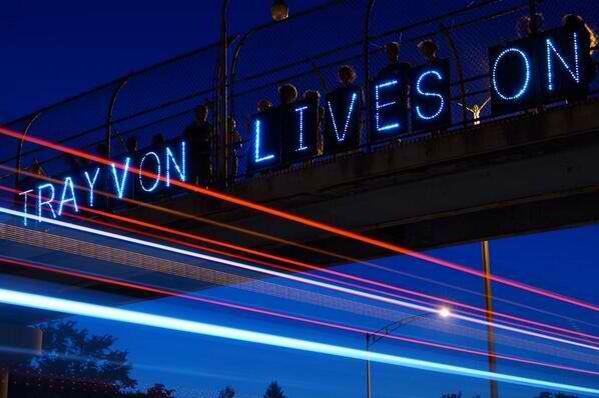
(279,11)
(372,338)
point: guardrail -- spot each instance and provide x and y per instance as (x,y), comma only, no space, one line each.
(304,50)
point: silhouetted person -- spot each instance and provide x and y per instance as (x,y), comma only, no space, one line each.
(394,67)
(131,145)
(525,26)
(287,94)
(343,122)
(199,135)
(587,39)
(157,141)
(428,50)
(347,75)
(263,105)
(395,70)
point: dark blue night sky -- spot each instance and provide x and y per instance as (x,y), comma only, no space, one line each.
(52,50)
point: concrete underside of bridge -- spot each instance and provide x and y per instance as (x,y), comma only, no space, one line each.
(534,172)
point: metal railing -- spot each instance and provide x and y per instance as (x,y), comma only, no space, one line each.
(304,50)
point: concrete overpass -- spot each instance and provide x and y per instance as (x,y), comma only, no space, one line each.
(533,172)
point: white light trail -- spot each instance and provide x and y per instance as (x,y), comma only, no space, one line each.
(291,277)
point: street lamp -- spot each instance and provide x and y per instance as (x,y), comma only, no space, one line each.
(279,10)
(371,338)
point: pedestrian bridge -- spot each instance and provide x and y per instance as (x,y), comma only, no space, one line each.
(528,173)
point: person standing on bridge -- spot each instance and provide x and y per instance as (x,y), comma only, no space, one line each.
(344,105)
(394,68)
(287,94)
(589,39)
(199,136)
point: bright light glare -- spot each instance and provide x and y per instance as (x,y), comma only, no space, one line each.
(140,318)
(444,312)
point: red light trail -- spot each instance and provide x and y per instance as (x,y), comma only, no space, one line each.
(167,230)
(309,266)
(308,222)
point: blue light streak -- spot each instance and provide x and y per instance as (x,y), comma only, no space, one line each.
(54,304)
(297,278)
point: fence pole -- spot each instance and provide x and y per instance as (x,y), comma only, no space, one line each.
(460,69)
(532,12)
(20,149)
(222,143)
(109,116)
(366,52)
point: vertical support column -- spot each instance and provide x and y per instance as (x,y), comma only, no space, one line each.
(368,371)
(19,164)
(366,56)
(460,70)
(486,259)
(532,14)
(222,144)
(110,114)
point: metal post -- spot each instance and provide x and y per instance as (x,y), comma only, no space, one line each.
(532,13)
(460,70)
(368,371)
(109,115)
(20,150)
(366,54)
(222,143)
(489,315)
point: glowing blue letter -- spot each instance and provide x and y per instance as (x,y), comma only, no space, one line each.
(378,106)
(26,216)
(257,143)
(341,138)
(428,94)
(300,111)
(525,84)
(141,165)
(550,47)
(41,202)
(68,184)
(181,169)
(91,183)
(120,186)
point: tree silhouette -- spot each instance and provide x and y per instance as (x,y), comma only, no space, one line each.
(274,391)
(227,392)
(159,391)
(74,353)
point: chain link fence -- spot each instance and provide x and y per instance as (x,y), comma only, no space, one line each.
(305,50)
